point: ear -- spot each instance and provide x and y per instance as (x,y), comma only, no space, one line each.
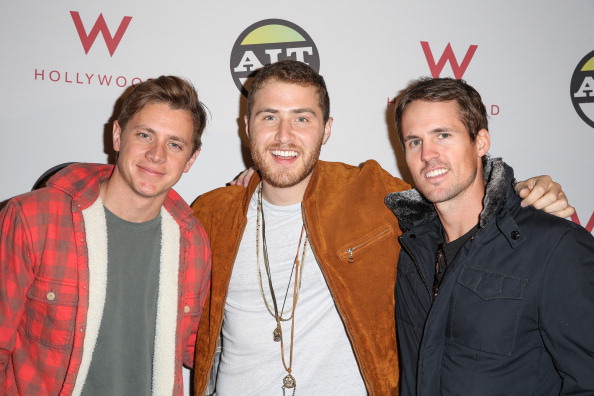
(116,136)
(246,121)
(483,142)
(327,130)
(191,160)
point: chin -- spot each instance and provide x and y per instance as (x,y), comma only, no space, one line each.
(284,178)
(282,182)
(148,192)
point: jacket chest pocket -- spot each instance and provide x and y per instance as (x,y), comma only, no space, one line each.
(51,313)
(485,310)
(191,311)
(354,251)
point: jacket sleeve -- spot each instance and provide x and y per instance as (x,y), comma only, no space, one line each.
(16,276)
(566,310)
(392,183)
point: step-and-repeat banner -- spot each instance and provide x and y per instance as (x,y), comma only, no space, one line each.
(65,64)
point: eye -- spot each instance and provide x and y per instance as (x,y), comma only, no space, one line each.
(302,119)
(269,117)
(414,142)
(176,146)
(443,135)
(143,135)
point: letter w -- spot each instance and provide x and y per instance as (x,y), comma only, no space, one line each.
(87,40)
(448,54)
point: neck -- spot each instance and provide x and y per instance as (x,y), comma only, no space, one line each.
(285,196)
(459,215)
(129,207)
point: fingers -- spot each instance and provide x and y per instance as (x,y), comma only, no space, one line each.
(543,193)
(536,188)
(551,203)
(564,213)
(244,178)
(522,190)
(541,198)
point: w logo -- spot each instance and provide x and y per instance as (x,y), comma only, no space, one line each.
(448,55)
(87,40)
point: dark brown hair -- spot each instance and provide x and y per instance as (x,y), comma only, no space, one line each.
(471,109)
(174,91)
(292,72)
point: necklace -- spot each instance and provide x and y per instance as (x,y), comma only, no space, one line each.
(288,381)
(260,225)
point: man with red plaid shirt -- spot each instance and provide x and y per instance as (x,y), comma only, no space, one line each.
(104,272)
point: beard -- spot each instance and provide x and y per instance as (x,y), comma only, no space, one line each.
(284,176)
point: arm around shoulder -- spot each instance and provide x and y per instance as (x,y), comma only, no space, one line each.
(543,193)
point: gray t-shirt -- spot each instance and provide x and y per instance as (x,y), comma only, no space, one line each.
(123,356)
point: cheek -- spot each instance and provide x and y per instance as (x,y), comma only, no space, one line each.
(410,158)
(257,139)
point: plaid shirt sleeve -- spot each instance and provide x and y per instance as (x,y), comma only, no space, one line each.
(16,275)
(197,282)
(38,294)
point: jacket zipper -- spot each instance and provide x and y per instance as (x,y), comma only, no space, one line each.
(421,273)
(349,252)
(342,316)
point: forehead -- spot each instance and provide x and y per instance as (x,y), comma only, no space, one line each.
(421,114)
(161,117)
(285,94)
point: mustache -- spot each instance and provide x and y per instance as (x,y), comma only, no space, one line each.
(434,164)
(290,146)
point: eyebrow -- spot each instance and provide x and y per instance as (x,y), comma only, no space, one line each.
(294,111)
(410,137)
(303,110)
(433,131)
(274,111)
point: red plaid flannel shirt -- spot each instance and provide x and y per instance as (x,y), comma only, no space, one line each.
(44,282)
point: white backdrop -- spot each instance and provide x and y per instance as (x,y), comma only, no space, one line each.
(55,103)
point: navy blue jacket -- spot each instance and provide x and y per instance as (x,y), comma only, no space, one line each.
(515,310)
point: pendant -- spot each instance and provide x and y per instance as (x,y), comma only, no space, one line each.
(289,382)
(277,334)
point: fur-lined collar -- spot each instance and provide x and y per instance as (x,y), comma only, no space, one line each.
(410,206)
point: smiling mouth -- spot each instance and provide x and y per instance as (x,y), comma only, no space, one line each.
(284,153)
(436,172)
(151,171)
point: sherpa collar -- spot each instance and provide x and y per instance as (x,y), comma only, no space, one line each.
(410,206)
(164,359)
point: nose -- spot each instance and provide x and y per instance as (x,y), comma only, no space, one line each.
(428,151)
(284,134)
(156,153)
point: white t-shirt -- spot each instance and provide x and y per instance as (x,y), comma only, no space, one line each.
(323,360)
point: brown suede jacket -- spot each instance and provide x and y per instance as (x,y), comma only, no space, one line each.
(354,237)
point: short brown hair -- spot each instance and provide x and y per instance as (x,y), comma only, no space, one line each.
(292,72)
(472,111)
(174,91)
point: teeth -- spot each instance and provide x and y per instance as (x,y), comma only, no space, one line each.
(284,153)
(436,172)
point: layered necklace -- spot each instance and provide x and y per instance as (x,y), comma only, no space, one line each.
(277,335)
